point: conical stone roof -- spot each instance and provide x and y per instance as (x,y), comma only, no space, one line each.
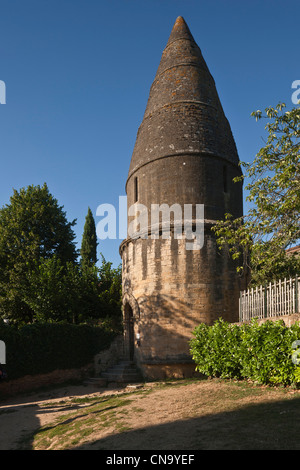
(183,114)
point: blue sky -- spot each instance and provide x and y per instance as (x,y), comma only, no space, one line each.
(78,75)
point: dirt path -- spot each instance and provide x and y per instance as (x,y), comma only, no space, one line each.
(22,415)
(198,415)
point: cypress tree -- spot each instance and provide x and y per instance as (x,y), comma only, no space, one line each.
(89,241)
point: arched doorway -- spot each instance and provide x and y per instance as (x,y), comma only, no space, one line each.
(129,331)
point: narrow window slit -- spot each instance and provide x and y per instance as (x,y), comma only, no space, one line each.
(136,189)
(225,180)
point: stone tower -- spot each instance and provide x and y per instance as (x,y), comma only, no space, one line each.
(185,155)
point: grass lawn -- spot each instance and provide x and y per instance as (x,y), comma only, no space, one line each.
(178,415)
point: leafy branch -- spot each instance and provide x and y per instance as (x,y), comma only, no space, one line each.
(259,239)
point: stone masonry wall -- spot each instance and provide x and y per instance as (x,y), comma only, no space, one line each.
(176,289)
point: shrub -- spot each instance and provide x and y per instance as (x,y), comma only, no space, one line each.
(262,353)
(43,347)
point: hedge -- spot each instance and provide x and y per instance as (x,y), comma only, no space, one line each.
(42,348)
(259,352)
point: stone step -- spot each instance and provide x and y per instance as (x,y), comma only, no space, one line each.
(124,371)
(125,362)
(123,380)
(97,382)
(124,375)
(121,369)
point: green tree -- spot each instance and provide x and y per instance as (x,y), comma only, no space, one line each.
(64,293)
(72,294)
(110,285)
(51,294)
(33,227)
(88,250)
(259,240)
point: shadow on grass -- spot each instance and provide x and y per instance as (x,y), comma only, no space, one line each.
(20,416)
(270,426)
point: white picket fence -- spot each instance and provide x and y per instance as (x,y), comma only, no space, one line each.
(272,300)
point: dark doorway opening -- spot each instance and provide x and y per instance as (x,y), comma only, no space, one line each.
(129,328)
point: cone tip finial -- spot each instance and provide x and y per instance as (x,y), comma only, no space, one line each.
(179,23)
(180,30)
(180,20)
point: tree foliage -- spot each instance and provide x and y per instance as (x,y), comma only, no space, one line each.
(111,291)
(58,293)
(40,278)
(33,228)
(259,240)
(88,250)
